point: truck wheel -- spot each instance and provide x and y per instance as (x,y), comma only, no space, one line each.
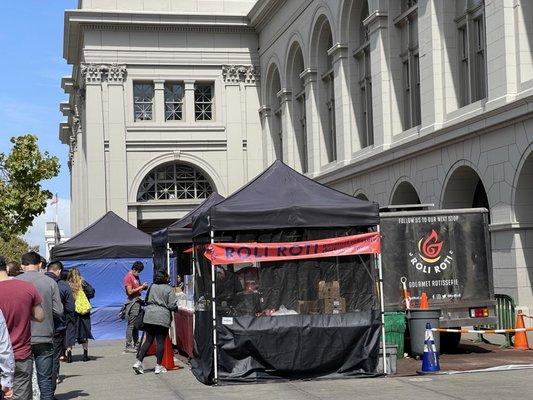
(449,341)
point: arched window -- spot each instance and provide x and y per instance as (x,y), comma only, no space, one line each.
(274,86)
(298,112)
(174,182)
(326,88)
(364,77)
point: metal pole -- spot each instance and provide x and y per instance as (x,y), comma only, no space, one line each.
(382,308)
(168,259)
(193,260)
(214,308)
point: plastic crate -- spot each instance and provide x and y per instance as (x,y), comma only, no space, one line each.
(395,331)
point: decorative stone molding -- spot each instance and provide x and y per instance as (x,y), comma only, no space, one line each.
(97,73)
(240,73)
(338,51)
(308,75)
(284,95)
(265,112)
(92,73)
(375,21)
(116,73)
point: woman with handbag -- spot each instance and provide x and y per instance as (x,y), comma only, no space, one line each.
(82,292)
(155,320)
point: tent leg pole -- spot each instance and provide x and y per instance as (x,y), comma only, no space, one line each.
(193,261)
(214,308)
(382,309)
(168,259)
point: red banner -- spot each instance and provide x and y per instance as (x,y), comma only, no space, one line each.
(236,253)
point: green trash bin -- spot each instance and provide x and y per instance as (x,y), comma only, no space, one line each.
(395,330)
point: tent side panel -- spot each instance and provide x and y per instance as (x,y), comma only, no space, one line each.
(298,346)
(106,276)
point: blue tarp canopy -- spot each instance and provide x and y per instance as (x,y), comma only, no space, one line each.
(104,252)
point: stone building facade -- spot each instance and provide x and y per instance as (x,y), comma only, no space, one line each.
(162,106)
(396,101)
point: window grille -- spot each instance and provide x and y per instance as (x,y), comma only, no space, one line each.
(203,102)
(174,182)
(173,101)
(143,98)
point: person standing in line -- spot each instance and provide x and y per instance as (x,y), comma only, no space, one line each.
(7,361)
(54,270)
(161,300)
(20,303)
(42,333)
(14,269)
(132,307)
(82,292)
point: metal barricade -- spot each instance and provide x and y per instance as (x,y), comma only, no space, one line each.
(506,313)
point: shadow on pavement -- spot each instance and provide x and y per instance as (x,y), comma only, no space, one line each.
(74,394)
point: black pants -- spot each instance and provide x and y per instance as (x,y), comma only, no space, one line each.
(59,344)
(159,334)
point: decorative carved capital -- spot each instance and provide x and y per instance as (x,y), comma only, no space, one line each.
(240,73)
(265,112)
(92,73)
(116,73)
(97,73)
(284,95)
(308,75)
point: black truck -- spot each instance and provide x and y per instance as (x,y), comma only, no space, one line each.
(444,253)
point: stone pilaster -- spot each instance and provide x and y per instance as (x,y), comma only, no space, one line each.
(339,54)
(309,77)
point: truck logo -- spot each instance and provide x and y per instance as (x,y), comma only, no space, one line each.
(430,258)
(430,248)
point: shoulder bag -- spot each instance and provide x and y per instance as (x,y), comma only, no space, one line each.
(139,320)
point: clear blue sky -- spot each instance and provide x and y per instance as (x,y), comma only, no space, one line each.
(31,45)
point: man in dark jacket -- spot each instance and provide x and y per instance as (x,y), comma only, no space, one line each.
(54,270)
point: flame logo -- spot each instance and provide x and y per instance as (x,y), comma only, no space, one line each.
(430,248)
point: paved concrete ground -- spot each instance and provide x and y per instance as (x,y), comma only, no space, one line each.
(109,377)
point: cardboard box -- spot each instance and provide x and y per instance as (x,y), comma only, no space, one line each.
(308,307)
(329,290)
(333,306)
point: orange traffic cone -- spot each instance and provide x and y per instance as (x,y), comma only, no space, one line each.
(424,303)
(520,338)
(168,355)
(151,349)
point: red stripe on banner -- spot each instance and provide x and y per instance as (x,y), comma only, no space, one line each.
(235,253)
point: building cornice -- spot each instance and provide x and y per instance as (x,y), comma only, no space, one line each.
(76,21)
(262,11)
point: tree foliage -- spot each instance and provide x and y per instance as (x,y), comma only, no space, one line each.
(22,197)
(13,249)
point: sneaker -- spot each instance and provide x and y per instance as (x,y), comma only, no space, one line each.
(138,367)
(159,369)
(129,349)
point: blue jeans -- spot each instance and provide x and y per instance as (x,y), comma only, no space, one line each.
(43,355)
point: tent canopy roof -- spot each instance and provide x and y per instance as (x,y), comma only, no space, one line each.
(180,231)
(280,197)
(109,237)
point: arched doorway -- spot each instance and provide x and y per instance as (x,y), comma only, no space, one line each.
(405,193)
(465,190)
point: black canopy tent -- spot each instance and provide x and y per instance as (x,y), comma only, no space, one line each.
(281,205)
(177,236)
(109,237)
